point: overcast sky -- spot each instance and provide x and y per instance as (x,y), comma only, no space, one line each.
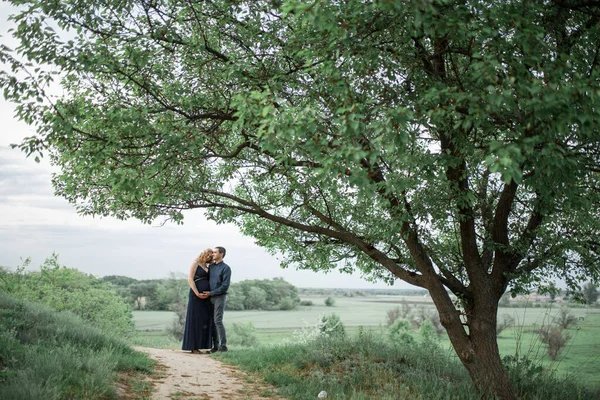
(34,223)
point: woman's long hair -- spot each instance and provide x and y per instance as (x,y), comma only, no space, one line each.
(205,257)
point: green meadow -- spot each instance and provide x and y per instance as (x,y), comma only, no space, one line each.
(580,360)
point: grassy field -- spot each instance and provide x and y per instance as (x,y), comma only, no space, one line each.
(581,358)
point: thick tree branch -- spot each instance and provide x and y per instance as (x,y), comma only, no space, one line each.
(344,236)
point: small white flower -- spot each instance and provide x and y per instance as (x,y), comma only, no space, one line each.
(322,394)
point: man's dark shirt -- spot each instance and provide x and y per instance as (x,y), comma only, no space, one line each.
(219,278)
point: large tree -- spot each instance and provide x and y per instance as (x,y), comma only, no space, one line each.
(450,144)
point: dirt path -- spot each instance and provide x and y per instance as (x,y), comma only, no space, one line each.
(183,375)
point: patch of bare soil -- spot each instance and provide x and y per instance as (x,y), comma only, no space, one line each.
(198,376)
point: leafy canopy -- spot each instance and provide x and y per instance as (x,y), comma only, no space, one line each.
(445,143)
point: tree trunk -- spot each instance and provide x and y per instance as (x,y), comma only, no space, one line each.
(479,353)
(486,369)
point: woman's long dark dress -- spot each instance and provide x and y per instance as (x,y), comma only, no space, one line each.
(198,321)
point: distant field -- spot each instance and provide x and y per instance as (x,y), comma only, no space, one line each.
(581,358)
(353,311)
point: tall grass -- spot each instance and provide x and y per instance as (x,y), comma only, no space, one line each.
(362,367)
(369,365)
(45,354)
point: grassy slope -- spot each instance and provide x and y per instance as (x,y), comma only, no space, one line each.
(45,354)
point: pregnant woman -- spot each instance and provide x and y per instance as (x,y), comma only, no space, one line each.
(198,322)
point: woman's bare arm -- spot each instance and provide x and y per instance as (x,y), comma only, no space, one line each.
(191,275)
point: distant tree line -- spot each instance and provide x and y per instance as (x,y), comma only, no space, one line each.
(267,294)
(172,293)
(151,294)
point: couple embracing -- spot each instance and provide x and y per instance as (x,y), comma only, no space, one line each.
(209,280)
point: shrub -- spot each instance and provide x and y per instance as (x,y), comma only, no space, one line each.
(330,301)
(532,381)
(67,289)
(306,303)
(287,304)
(400,332)
(243,334)
(403,311)
(422,314)
(428,335)
(331,325)
(554,337)
(565,319)
(522,371)
(178,326)
(357,367)
(507,321)
(392,315)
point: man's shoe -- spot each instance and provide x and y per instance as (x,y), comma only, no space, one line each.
(223,348)
(213,350)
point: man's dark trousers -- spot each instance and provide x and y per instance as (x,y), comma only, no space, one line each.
(218,329)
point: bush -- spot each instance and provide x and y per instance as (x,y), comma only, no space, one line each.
(590,293)
(67,289)
(403,311)
(565,319)
(330,301)
(428,335)
(554,337)
(331,325)
(287,304)
(400,332)
(306,303)
(243,334)
(532,381)
(422,314)
(507,321)
(178,325)
(392,315)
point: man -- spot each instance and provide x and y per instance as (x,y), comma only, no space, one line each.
(219,279)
